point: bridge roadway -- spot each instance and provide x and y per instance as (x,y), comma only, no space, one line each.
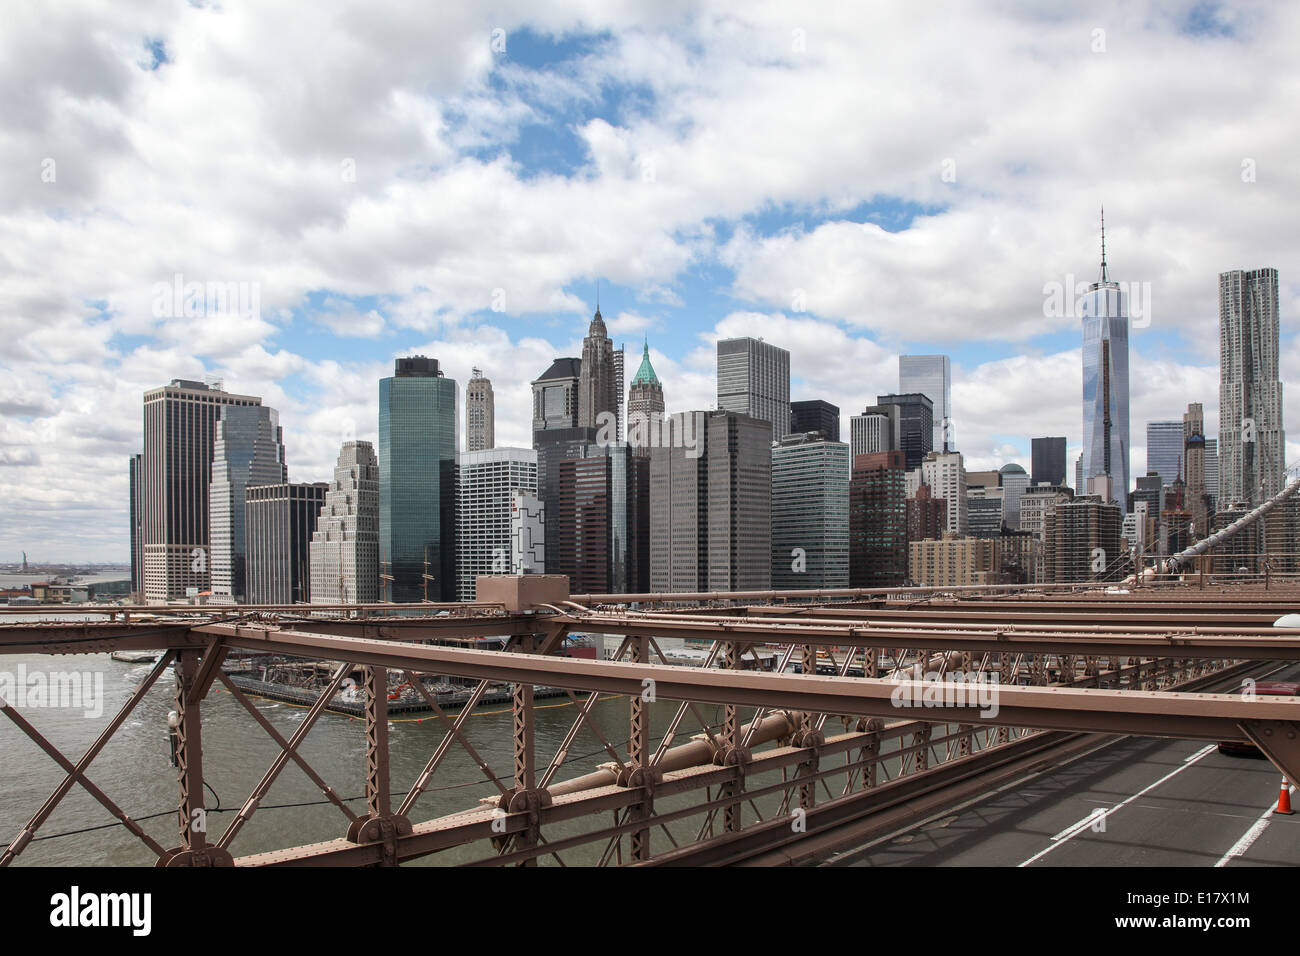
(1166,803)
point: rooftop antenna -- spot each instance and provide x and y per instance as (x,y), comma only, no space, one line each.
(1103,244)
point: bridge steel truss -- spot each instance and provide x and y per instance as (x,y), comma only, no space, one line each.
(798,764)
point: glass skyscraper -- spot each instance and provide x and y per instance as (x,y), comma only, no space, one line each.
(931,375)
(417,467)
(1165,441)
(1105,383)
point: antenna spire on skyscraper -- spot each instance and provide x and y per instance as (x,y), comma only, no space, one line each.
(1103,244)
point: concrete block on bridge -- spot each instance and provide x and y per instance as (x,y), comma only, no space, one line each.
(520,592)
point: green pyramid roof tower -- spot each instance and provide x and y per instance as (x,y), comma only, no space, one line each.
(645,375)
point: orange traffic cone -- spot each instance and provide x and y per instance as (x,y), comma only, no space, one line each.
(1284,799)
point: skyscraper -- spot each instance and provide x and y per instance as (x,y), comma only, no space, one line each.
(875,430)
(711,505)
(1165,443)
(1198,502)
(480,413)
(1212,470)
(136,474)
(1014,483)
(931,375)
(279,523)
(1047,466)
(248,450)
(344,550)
(810,514)
(878,521)
(180,426)
(556,435)
(1105,381)
(946,476)
(1252,441)
(1081,541)
(645,403)
(600,383)
(815,415)
(915,436)
(754,380)
(417,462)
(491,486)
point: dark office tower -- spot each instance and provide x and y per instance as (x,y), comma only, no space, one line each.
(1252,441)
(480,414)
(740,503)
(1048,464)
(1151,490)
(344,553)
(915,425)
(927,516)
(600,383)
(1078,536)
(279,522)
(556,435)
(754,380)
(248,450)
(878,520)
(417,486)
(137,527)
(645,405)
(180,426)
(679,506)
(810,512)
(603,501)
(815,416)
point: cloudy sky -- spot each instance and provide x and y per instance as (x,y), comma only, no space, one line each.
(849,181)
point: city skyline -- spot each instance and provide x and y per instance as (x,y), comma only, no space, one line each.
(840,251)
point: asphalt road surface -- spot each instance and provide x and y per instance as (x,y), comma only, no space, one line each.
(1136,802)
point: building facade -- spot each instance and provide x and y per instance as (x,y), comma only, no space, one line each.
(1252,440)
(1106,441)
(878,521)
(945,473)
(931,375)
(417,482)
(280,520)
(915,433)
(926,515)
(248,450)
(489,487)
(754,380)
(1165,445)
(180,427)
(344,551)
(480,413)
(600,383)
(810,512)
(1047,464)
(645,404)
(1081,541)
(875,430)
(815,415)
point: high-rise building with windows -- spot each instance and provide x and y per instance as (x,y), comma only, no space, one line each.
(600,383)
(645,404)
(878,521)
(1252,440)
(810,513)
(1198,501)
(946,476)
(1212,470)
(711,505)
(136,474)
(344,550)
(488,520)
(915,435)
(815,415)
(1105,383)
(754,380)
(480,413)
(1081,541)
(926,515)
(180,427)
(248,450)
(1165,446)
(417,482)
(280,520)
(875,430)
(931,375)
(1047,466)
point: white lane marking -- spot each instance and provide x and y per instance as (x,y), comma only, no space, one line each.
(1250,836)
(1070,832)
